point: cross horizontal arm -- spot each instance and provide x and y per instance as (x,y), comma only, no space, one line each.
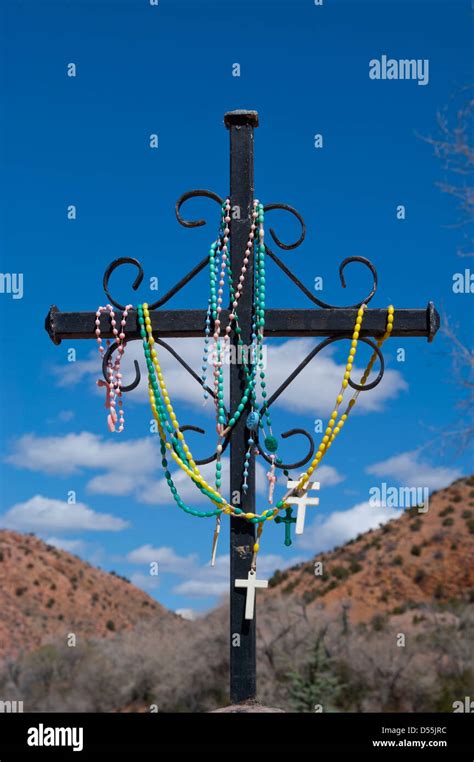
(305,322)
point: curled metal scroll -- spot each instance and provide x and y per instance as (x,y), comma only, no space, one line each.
(159,302)
(184,364)
(291,210)
(113,266)
(363,260)
(285,435)
(313,353)
(105,360)
(297,371)
(204,461)
(194,194)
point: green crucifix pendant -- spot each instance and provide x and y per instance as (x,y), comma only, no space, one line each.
(288,520)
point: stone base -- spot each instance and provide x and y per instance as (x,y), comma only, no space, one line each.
(247,707)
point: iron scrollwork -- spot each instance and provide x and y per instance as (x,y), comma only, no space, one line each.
(197,269)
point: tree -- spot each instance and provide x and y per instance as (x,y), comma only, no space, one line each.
(454,146)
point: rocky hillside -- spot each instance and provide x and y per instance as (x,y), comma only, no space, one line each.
(48,593)
(415,559)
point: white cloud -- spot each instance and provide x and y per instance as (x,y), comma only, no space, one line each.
(166,558)
(156,492)
(128,466)
(72,453)
(71,546)
(328,476)
(409,469)
(313,391)
(43,514)
(190,614)
(201,581)
(214,581)
(340,526)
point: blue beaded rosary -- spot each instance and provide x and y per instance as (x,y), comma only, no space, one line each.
(220,271)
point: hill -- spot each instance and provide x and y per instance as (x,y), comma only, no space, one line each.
(48,593)
(418,558)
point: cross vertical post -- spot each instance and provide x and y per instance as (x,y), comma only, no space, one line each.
(242,533)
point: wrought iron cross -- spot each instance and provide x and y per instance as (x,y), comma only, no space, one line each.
(329,321)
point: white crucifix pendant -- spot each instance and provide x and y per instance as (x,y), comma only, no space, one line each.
(301,500)
(251,583)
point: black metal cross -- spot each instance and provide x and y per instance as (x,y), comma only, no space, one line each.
(330,321)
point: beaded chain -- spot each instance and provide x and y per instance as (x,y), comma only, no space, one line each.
(168,425)
(172,440)
(114,377)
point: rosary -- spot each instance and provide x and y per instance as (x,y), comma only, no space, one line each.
(217,342)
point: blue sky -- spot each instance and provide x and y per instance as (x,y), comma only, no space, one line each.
(84,140)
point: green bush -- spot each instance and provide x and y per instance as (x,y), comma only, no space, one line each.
(470,525)
(277,578)
(446,511)
(438,591)
(340,572)
(420,575)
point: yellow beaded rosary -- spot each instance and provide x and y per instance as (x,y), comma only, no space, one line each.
(173,441)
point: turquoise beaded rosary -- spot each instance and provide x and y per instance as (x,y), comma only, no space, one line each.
(172,440)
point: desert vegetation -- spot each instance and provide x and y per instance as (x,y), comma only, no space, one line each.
(308,660)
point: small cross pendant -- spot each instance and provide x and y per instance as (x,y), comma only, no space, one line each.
(301,499)
(251,583)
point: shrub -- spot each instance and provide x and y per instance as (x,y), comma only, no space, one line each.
(446,511)
(470,525)
(448,522)
(467,514)
(310,595)
(340,572)
(415,525)
(50,603)
(420,575)
(397,561)
(110,625)
(438,591)
(378,622)
(277,578)
(399,609)
(415,550)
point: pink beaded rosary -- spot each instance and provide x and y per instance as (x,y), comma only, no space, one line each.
(113,393)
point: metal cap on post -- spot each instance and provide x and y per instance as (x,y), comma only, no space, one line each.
(242,533)
(240,117)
